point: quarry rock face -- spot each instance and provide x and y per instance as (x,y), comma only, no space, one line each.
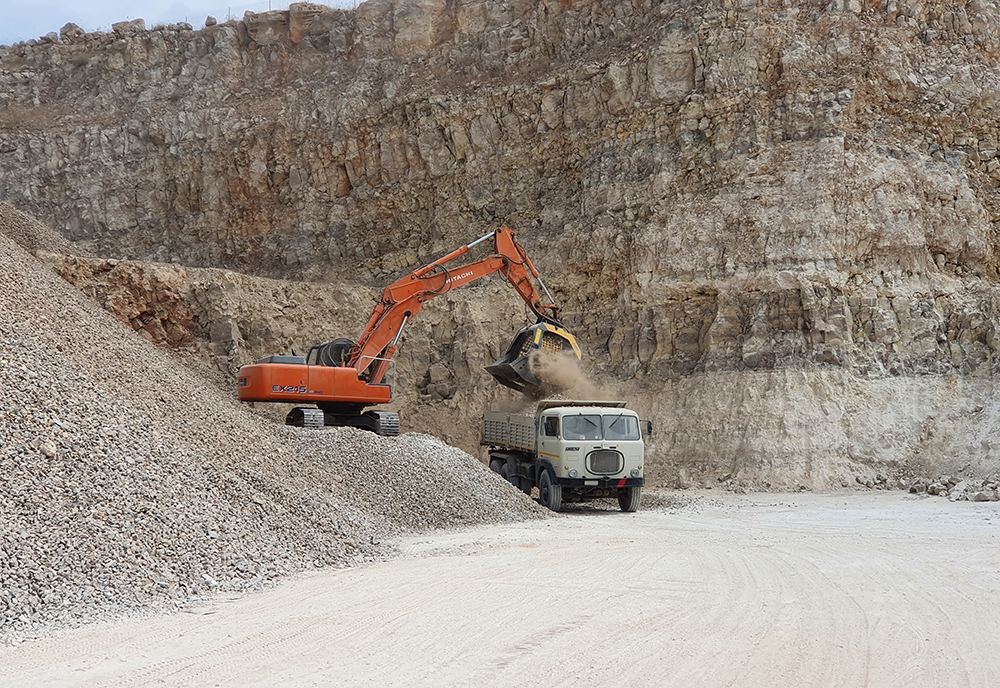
(771,223)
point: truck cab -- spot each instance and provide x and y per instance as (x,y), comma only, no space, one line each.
(571,450)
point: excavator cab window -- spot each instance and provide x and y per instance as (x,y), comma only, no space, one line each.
(551,425)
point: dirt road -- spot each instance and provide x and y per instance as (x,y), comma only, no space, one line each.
(837,590)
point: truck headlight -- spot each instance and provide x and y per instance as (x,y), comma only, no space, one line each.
(635,472)
(573,473)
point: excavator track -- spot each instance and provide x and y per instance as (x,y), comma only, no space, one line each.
(305,418)
(385,423)
(388,423)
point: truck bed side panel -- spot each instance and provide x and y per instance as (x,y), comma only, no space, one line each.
(509,430)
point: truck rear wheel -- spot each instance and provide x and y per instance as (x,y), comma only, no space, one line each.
(496,465)
(629,498)
(505,473)
(549,495)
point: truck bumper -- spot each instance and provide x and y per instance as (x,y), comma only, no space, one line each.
(601,483)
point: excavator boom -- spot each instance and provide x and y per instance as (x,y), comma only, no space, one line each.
(404,298)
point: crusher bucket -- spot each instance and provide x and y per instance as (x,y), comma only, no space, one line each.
(537,344)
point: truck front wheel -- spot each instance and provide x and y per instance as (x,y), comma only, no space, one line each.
(629,498)
(549,495)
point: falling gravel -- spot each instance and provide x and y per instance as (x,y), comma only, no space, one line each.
(129,485)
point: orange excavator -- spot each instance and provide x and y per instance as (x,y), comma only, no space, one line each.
(343,377)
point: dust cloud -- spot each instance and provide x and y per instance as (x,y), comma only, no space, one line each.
(563,374)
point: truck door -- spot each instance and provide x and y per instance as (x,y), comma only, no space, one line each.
(550,433)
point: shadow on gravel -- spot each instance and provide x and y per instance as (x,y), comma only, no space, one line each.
(651,501)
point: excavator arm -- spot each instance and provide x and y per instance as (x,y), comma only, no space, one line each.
(403,299)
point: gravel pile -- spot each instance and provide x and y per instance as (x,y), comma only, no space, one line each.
(129,485)
(31,234)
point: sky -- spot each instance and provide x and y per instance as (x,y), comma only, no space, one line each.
(21,20)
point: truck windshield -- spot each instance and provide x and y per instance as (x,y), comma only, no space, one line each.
(582,427)
(621,427)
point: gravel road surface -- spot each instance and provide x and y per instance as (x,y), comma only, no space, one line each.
(880,589)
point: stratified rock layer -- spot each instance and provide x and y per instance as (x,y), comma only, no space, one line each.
(768,220)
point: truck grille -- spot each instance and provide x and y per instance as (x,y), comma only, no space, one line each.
(605,462)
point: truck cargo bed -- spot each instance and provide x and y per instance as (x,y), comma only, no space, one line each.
(509,430)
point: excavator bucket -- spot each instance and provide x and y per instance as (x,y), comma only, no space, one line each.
(542,359)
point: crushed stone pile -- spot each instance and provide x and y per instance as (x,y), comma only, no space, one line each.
(31,234)
(129,485)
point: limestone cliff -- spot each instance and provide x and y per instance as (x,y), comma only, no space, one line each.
(773,223)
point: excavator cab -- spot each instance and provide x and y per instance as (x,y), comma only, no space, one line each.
(541,359)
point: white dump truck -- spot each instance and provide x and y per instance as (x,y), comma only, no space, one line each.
(571,450)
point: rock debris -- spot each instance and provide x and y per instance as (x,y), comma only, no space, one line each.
(958,489)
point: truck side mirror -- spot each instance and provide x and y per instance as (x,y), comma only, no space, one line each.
(649,427)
